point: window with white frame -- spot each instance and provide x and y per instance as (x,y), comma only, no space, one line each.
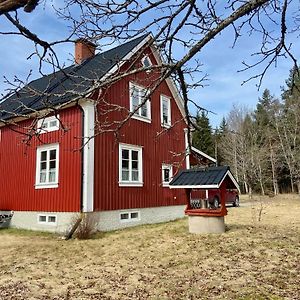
(167,174)
(165,110)
(47,219)
(146,61)
(48,124)
(130,165)
(138,105)
(130,216)
(47,166)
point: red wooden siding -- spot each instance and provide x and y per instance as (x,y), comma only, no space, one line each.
(156,151)
(18,168)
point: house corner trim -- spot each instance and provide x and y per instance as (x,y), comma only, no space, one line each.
(187,148)
(88,107)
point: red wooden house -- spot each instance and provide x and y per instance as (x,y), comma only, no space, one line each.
(51,167)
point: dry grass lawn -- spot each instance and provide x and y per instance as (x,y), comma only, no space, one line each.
(252,260)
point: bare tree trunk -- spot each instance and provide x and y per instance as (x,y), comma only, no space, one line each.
(298,187)
(292,182)
(274,177)
(261,180)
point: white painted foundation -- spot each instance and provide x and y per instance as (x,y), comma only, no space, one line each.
(201,224)
(104,220)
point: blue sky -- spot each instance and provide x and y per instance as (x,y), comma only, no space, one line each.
(221,63)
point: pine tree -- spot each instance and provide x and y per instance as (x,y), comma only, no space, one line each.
(202,136)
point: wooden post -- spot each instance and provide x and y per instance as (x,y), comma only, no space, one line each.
(188,197)
(223,197)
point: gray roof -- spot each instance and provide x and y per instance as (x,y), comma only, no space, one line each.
(210,177)
(65,85)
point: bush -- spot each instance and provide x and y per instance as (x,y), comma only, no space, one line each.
(87,226)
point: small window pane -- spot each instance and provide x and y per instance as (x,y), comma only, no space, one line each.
(125,175)
(42,219)
(135,165)
(166,175)
(165,108)
(53,154)
(147,62)
(125,216)
(135,155)
(52,175)
(144,110)
(135,99)
(125,164)
(44,125)
(51,219)
(134,215)
(53,123)
(43,155)
(43,166)
(42,177)
(125,154)
(135,175)
(52,164)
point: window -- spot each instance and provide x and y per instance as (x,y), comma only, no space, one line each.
(47,219)
(137,97)
(130,165)
(48,124)
(47,166)
(129,216)
(165,108)
(167,174)
(146,62)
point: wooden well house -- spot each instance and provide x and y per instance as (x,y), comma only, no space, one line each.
(203,217)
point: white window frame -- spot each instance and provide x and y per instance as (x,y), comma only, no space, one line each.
(138,183)
(47,184)
(47,222)
(142,91)
(47,121)
(130,219)
(166,167)
(146,57)
(168,124)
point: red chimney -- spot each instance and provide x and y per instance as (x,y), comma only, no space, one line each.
(83,49)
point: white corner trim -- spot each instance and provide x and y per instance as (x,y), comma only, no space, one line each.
(203,154)
(233,180)
(88,107)
(187,150)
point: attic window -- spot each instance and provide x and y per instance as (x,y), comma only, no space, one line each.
(146,62)
(139,104)
(48,124)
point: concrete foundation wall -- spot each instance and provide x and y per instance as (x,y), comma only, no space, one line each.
(105,220)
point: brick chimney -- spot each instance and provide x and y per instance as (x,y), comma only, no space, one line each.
(84,49)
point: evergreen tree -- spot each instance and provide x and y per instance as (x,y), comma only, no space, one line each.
(202,136)
(219,134)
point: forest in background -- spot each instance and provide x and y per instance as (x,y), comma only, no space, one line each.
(261,146)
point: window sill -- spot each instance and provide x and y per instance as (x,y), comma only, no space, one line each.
(143,119)
(131,184)
(165,185)
(165,125)
(46,186)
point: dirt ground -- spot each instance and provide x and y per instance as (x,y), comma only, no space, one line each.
(254,259)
